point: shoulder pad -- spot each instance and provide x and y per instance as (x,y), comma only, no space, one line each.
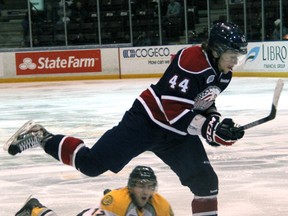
(193,59)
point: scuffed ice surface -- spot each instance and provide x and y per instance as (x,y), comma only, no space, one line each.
(253,173)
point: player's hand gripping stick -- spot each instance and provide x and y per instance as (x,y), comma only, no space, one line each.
(220,133)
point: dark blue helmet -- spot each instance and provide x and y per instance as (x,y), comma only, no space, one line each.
(227,36)
(142,174)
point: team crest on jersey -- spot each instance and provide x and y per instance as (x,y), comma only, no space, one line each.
(206,98)
(107,200)
(210,79)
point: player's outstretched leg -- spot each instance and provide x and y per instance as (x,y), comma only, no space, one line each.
(30,135)
(33,207)
(68,150)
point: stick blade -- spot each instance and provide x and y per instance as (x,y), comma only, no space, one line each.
(276,96)
(277,92)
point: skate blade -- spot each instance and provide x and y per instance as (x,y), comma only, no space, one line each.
(25,127)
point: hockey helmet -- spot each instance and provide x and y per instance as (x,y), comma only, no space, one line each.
(227,36)
(142,174)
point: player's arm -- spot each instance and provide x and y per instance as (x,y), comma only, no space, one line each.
(214,130)
(212,110)
(208,123)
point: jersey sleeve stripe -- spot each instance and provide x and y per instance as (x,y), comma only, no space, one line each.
(172,121)
(166,126)
(183,100)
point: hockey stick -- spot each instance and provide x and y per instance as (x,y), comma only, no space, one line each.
(272,115)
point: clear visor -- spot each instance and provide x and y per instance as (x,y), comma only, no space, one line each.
(233,57)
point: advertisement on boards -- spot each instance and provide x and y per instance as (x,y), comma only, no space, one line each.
(147,60)
(265,57)
(57,62)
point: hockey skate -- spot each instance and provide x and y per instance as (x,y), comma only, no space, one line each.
(30,203)
(30,135)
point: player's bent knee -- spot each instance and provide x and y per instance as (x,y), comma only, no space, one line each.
(88,164)
(91,171)
(204,184)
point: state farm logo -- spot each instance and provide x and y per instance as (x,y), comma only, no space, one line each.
(27,64)
(71,62)
(58,62)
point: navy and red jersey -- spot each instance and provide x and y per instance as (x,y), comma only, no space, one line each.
(188,87)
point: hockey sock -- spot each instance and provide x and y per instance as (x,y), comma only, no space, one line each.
(63,148)
(204,206)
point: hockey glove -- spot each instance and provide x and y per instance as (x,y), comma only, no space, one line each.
(220,133)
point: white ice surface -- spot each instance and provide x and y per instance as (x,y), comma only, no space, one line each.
(253,173)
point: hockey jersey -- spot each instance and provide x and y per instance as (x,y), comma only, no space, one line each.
(118,203)
(188,87)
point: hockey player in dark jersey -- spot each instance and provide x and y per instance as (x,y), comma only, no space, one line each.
(168,118)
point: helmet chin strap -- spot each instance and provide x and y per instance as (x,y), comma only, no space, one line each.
(216,54)
(214,58)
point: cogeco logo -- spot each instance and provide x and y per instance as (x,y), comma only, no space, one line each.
(150,52)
